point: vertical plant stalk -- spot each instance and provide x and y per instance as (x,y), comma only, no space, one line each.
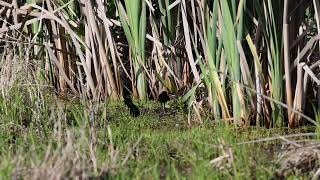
(57,42)
(188,41)
(298,93)
(76,40)
(268,12)
(102,50)
(141,76)
(297,101)
(109,40)
(214,86)
(287,61)
(60,67)
(133,21)
(316,5)
(239,90)
(229,37)
(62,58)
(258,86)
(258,75)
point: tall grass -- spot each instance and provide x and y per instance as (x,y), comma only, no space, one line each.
(230,34)
(273,40)
(63,63)
(133,19)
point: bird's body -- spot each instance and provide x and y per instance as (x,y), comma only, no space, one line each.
(134,110)
(127,94)
(163,98)
(128,100)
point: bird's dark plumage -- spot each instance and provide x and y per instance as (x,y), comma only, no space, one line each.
(126,93)
(163,98)
(127,100)
(134,110)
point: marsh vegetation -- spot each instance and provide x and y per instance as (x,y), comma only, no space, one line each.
(156,89)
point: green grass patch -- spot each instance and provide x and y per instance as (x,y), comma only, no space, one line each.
(71,139)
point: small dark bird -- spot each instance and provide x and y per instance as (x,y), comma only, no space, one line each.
(163,98)
(128,100)
(134,110)
(126,94)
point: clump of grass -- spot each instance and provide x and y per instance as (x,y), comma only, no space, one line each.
(39,141)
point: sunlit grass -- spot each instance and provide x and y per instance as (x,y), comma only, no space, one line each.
(158,144)
(63,65)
